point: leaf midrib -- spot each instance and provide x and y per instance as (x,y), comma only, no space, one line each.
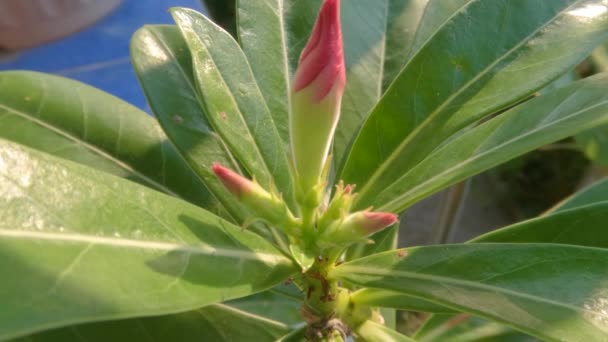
(349,271)
(397,151)
(152,245)
(264,319)
(89,147)
(484,154)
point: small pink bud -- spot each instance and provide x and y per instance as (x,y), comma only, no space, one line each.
(376,221)
(356,227)
(316,97)
(235,183)
(264,204)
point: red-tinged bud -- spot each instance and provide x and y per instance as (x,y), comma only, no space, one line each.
(322,60)
(356,227)
(316,96)
(264,204)
(372,222)
(235,183)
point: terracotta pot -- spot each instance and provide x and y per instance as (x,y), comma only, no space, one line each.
(26,23)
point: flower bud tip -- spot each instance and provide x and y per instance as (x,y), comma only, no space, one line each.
(375,221)
(235,183)
(322,60)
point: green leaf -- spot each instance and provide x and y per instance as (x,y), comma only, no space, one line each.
(233,102)
(554,292)
(212,323)
(465,328)
(593,194)
(545,119)
(379,38)
(397,300)
(297,335)
(374,332)
(163,65)
(582,226)
(83,246)
(460,74)
(77,122)
(277,304)
(430,17)
(364,26)
(576,224)
(304,258)
(382,241)
(264,38)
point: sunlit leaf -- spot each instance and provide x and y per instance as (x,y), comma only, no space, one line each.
(83,246)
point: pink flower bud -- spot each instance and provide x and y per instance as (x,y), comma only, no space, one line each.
(264,204)
(372,222)
(356,227)
(322,60)
(235,183)
(316,96)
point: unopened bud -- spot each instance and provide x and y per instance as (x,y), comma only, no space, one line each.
(235,183)
(316,95)
(356,227)
(262,203)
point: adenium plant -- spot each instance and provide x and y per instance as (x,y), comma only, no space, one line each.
(261,201)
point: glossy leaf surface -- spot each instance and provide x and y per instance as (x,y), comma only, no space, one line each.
(545,119)
(233,102)
(163,65)
(83,246)
(554,292)
(462,73)
(219,323)
(77,122)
